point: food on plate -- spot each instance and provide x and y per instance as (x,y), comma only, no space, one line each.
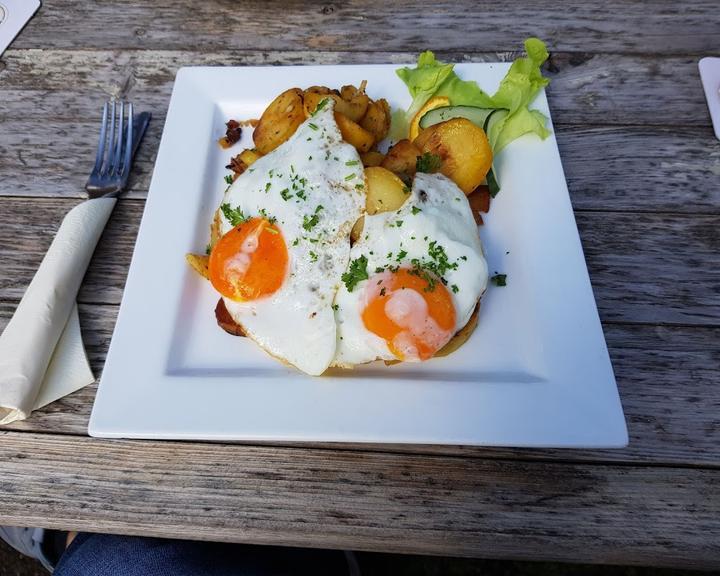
(284,226)
(328,250)
(233,134)
(385,192)
(279,121)
(415,277)
(463,148)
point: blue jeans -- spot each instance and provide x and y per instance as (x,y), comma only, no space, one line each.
(108,555)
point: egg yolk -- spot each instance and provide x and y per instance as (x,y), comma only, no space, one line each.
(250,261)
(415,319)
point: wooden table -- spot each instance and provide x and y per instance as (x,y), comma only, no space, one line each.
(644,175)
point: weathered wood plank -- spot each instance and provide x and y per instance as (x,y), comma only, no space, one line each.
(633,169)
(666,376)
(649,268)
(665,27)
(585,89)
(364,501)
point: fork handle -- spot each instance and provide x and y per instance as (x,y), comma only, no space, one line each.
(30,337)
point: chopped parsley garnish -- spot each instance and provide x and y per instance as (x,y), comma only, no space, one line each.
(228,179)
(415,210)
(359,186)
(455,288)
(208,249)
(379,269)
(356,273)
(313,126)
(309,222)
(336,307)
(352,163)
(398,223)
(301,194)
(406,190)
(267,187)
(234,215)
(313,256)
(296,242)
(270,219)
(285,194)
(382,291)
(434,268)
(320,105)
(499,279)
(350,176)
(401,255)
(428,163)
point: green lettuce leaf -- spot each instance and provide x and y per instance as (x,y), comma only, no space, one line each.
(517,90)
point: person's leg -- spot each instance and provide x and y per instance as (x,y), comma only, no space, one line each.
(46,546)
(108,555)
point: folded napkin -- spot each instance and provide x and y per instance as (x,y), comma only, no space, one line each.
(42,357)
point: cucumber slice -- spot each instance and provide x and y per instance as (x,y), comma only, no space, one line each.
(474,114)
(494,124)
(492,184)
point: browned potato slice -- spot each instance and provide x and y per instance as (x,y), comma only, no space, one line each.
(353,102)
(401,159)
(249,156)
(215,228)
(353,133)
(377,119)
(199,263)
(279,121)
(461,336)
(385,192)
(313,96)
(463,149)
(372,158)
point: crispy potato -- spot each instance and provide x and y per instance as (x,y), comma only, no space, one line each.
(385,192)
(279,121)
(377,119)
(199,263)
(461,336)
(225,321)
(401,159)
(372,158)
(353,133)
(479,200)
(434,102)
(215,227)
(463,149)
(248,156)
(353,102)
(313,96)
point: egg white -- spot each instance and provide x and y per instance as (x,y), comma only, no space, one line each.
(435,211)
(313,169)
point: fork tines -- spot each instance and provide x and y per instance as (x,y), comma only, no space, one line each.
(115,149)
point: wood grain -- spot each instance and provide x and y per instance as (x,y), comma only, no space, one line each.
(666,377)
(650,268)
(586,88)
(364,501)
(664,27)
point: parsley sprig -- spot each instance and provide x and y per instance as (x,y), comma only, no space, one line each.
(234,215)
(428,163)
(357,272)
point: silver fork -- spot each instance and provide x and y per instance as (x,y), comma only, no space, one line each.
(29,339)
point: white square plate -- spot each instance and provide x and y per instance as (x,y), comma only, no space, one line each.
(536,372)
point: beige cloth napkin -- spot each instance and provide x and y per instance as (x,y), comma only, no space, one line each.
(42,357)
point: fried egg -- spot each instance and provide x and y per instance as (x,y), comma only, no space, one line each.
(286,223)
(414,278)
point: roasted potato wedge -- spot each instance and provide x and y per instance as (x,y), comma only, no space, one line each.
(353,133)
(353,102)
(385,192)
(249,156)
(463,149)
(372,158)
(215,229)
(199,263)
(313,96)
(401,159)
(279,121)
(461,336)
(377,119)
